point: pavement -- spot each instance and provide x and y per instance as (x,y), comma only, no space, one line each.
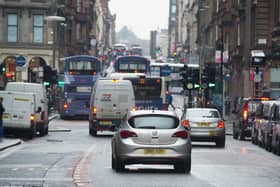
(6,143)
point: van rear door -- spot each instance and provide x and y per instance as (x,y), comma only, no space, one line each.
(18,108)
(114,102)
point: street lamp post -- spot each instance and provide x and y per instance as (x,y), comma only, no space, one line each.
(54,20)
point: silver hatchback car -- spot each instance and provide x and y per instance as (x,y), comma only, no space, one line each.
(151,137)
(205,124)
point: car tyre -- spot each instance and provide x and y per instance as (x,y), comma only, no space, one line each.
(119,165)
(113,162)
(242,134)
(277,149)
(221,142)
(183,166)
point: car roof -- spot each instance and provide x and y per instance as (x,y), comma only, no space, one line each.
(151,112)
(205,109)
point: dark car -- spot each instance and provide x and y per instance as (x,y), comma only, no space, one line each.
(275,123)
(243,125)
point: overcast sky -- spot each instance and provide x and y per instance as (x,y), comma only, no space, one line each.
(141,16)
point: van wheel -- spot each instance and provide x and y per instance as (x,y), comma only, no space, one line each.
(92,131)
(32,132)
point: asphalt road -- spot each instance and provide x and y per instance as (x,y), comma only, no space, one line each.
(68,156)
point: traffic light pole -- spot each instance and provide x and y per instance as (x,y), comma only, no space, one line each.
(221,71)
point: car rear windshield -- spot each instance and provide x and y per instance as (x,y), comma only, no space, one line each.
(202,114)
(154,122)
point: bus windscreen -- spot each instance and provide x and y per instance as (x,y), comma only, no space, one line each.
(82,67)
(146,90)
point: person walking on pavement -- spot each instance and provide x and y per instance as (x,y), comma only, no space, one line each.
(2,110)
(169,100)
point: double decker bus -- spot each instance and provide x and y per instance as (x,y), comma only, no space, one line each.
(132,64)
(150,91)
(80,73)
(136,50)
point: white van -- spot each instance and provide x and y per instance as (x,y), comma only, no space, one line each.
(110,100)
(21,113)
(40,95)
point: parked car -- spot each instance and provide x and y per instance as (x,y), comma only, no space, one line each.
(268,127)
(262,124)
(205,124)
(151,136)
(275,123)
(242,127)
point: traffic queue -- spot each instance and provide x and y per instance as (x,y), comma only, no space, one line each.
(259,118)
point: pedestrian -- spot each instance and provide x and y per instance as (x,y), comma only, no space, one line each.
(169,100)
(2,110)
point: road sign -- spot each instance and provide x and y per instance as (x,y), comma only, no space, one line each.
(20,60)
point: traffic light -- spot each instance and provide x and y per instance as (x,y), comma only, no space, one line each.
(196,78)
(2,68)
(211,77)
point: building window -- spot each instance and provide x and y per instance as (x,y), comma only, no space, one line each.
(277,13)
(78,31)
(38,29)
(12,28)
(238,34)
(79,5)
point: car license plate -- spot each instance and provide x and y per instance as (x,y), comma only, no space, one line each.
(5,116)
(203,124)
(105,122)
(154,151)
(213,133)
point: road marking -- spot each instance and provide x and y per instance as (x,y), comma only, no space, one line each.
(80,173)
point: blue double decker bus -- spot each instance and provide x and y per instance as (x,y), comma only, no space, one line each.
(132,64)
(80,73)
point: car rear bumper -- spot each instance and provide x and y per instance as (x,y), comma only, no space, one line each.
(133,154)
(207,135)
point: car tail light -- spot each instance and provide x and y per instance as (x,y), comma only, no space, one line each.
(32,118)
(186,123)
(127,134)
(245,114)
(65,106)
(181,134)
(94,110)
(221,124)
(245,111)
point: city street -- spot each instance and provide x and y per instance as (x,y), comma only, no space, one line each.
(68,156)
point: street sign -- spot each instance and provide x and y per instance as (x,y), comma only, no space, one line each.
(20,60)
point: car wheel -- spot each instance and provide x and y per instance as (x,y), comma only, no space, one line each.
(113,162)
(221,142)
(235,134)
(119,165)
(242,134)
(183,166)
(277,150)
